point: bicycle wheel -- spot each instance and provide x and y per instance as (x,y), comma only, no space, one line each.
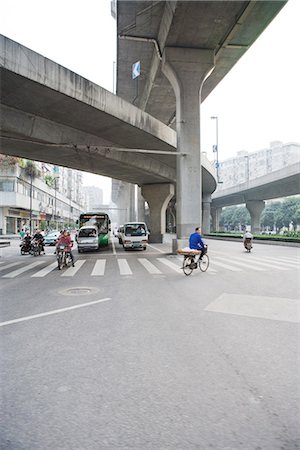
(188,265)
(204,263)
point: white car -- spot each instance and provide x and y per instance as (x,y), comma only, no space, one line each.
(87,238)
(134,235)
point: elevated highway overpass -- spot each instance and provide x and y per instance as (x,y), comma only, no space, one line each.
(276,184)
(49,113)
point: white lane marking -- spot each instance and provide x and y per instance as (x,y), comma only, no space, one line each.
(272,308)
(70,272)
(170,264)
(267,264)
(17,272)
(113,246)
(242,263)
(44,271)
(124,267)
(8,266)
(225,266)
(99,268)
(279,260)
(55,311)
(156,249)
(151,268)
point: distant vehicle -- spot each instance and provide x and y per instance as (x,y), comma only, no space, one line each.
(99,220)
(119,233)
(51,238)
(115,231)
(134,235)
(87,238)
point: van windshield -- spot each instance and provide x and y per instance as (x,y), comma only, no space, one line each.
(135,230)
(87,232)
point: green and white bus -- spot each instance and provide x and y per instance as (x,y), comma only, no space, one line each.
(100,220)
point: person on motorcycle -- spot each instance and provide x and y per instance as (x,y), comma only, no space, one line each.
(26,242)
(65,239)
(246,236)
(196,242)
(40,238)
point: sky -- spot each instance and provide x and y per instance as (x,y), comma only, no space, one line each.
(256,103)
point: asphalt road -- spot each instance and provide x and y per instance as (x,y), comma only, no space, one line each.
(126,352)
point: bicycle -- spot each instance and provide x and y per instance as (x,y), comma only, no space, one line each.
(191,262)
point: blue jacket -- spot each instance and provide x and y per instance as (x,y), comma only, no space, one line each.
(196,242)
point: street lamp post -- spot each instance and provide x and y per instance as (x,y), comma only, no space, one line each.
(216,147)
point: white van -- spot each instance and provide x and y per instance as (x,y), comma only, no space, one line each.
(134,235)
(87,238)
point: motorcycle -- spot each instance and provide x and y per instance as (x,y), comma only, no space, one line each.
(63,257)
(248,244)
(25,246)
(36,247)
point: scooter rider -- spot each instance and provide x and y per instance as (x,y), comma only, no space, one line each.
(246,236)
(65,239)
(39,237)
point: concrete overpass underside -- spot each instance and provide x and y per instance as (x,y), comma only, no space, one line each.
(51,114)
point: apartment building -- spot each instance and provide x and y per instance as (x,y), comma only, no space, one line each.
(248,166)
(51,199)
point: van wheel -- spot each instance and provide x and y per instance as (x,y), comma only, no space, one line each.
(144,248)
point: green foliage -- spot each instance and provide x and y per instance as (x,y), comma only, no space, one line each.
(281,214)
(43,225)
(8,161)
(232,216)
(31,170)
(276,215)
(50,181)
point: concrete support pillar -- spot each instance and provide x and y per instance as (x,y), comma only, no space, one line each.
(216,215)
(206,202)
(187,70)
(157,197)
(255,208)
(140,206)
(132,203)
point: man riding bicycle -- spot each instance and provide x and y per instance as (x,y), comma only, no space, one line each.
(196,242)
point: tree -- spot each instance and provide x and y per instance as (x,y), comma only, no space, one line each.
(234,216)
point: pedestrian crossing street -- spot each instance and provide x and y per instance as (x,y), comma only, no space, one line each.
(155,266)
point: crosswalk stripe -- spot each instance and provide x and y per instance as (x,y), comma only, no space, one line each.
(213,262)
(151,268)
(281,261)
(17,272)
(124,267)
(43,272)
(99,268)
(241,263)
(170,264)
(70,272)
(8,266)
(271,265)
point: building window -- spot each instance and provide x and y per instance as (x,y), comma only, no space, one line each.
(7,186)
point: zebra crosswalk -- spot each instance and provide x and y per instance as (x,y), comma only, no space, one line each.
(154,266)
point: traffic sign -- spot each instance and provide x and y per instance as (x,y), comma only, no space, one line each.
(136,69)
